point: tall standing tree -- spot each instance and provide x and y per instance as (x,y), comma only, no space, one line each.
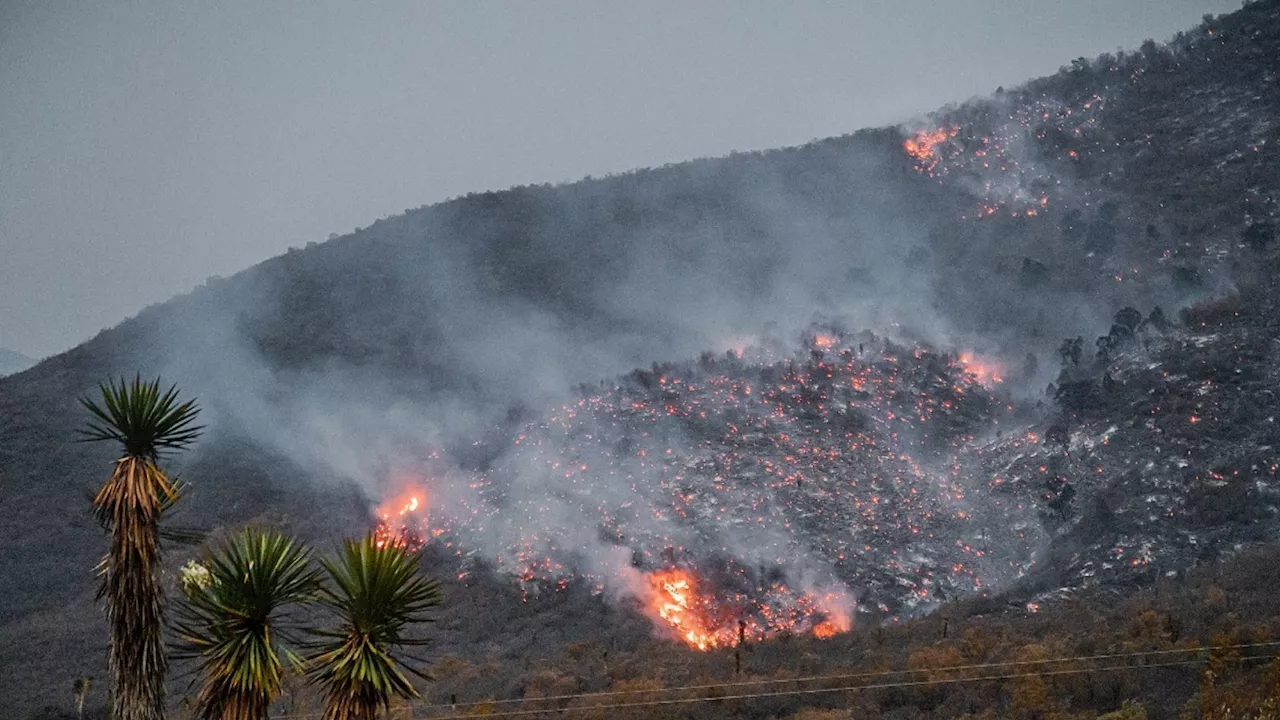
(378,595)
(148,423)
(238,621)
(80,690)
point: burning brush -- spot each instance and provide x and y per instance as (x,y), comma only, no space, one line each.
(691,611)
(817,461)
(399,523)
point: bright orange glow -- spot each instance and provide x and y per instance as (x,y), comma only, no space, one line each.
(679,601)
(824,341)
(737,343)
(924,146)
(924,143)
(985,370)
(838,619)
(398,524)
(826,629)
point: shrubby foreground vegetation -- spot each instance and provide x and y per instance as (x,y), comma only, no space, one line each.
(237,619)
(1221,605)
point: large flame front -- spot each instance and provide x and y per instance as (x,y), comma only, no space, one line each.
(679,600)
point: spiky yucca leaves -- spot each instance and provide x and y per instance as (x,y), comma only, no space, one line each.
(378,594)
(146,422)
(236,621)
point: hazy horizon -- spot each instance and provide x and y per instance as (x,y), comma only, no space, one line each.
(148,147)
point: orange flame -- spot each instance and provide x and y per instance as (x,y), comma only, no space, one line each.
(838,620)
(985,370)
(677,600)
(397,524)
(924,145)
(738,344)
(824,341)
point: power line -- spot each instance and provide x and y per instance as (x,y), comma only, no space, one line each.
(817,691)
(852,676)
(861,675)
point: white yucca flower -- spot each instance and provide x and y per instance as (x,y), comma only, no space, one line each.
(195,577)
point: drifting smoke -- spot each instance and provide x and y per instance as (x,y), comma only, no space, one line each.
(1012,154)
(720,495)
(410,357)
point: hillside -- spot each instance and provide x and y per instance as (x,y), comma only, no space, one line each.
(816,416)
(13,362)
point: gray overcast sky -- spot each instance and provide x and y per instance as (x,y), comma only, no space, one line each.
(147,145)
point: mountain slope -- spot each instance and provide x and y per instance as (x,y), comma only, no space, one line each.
(997,227)
(13,362)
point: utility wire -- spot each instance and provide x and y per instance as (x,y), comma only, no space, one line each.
(817,691)
(861,675)
(855,676)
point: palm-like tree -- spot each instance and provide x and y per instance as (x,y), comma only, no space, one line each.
(148,423)
(80,690)
(236,620)
(378,594)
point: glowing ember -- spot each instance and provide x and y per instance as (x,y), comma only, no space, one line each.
(1013,155)
(696,616)
(835,606)
(397,523)
(826,629)
(737,344)
(677,600)
(824,341)
(985,371)
(791,444)
(924,146)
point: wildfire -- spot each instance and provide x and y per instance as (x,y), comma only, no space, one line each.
(835,606)
(766,452)
(695,615)
(398,524)
(923,146)
(737,343)
(986,371)
(677,601)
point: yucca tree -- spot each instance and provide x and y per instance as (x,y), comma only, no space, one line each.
(378,595)
(148,423)
(80,690)
(238,619)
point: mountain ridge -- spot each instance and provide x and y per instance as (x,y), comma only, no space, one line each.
(14,362)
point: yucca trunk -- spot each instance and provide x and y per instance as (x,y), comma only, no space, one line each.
(224,697)
(130,503)
(362,702)
(350,698)
(223,700)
